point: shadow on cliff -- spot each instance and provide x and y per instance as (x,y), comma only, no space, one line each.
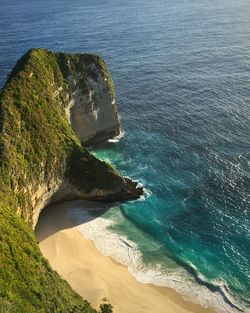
(55,218)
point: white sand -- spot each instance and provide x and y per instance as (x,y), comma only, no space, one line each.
(95,276)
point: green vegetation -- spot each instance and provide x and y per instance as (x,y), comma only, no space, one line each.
(87,172)
(106,307)
(37,146)
(27,283)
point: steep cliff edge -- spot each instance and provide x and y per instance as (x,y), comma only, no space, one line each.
(51,103)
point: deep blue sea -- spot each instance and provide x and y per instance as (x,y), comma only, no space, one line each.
(182,74)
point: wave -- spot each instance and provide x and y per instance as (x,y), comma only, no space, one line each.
(117,138)
(193,288)
(146,192)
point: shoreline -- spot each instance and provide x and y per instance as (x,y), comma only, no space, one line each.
(95,276)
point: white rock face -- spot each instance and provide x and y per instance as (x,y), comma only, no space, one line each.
(92,111)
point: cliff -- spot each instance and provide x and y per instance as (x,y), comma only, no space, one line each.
(51,104)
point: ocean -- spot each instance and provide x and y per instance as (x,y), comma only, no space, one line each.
(182,76)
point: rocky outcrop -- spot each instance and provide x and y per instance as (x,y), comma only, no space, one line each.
(47,96)
(51,105)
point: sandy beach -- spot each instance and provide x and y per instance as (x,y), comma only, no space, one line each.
(95,276)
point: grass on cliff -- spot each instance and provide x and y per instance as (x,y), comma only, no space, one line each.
(27,282)
(36,143)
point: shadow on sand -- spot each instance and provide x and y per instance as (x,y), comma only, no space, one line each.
(55,217)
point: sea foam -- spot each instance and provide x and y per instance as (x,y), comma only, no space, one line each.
(127,252)
(117,138)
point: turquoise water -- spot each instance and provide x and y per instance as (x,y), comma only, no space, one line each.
(182,76)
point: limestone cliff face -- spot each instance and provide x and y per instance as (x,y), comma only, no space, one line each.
(51,104)
(92,113)
(90,98)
